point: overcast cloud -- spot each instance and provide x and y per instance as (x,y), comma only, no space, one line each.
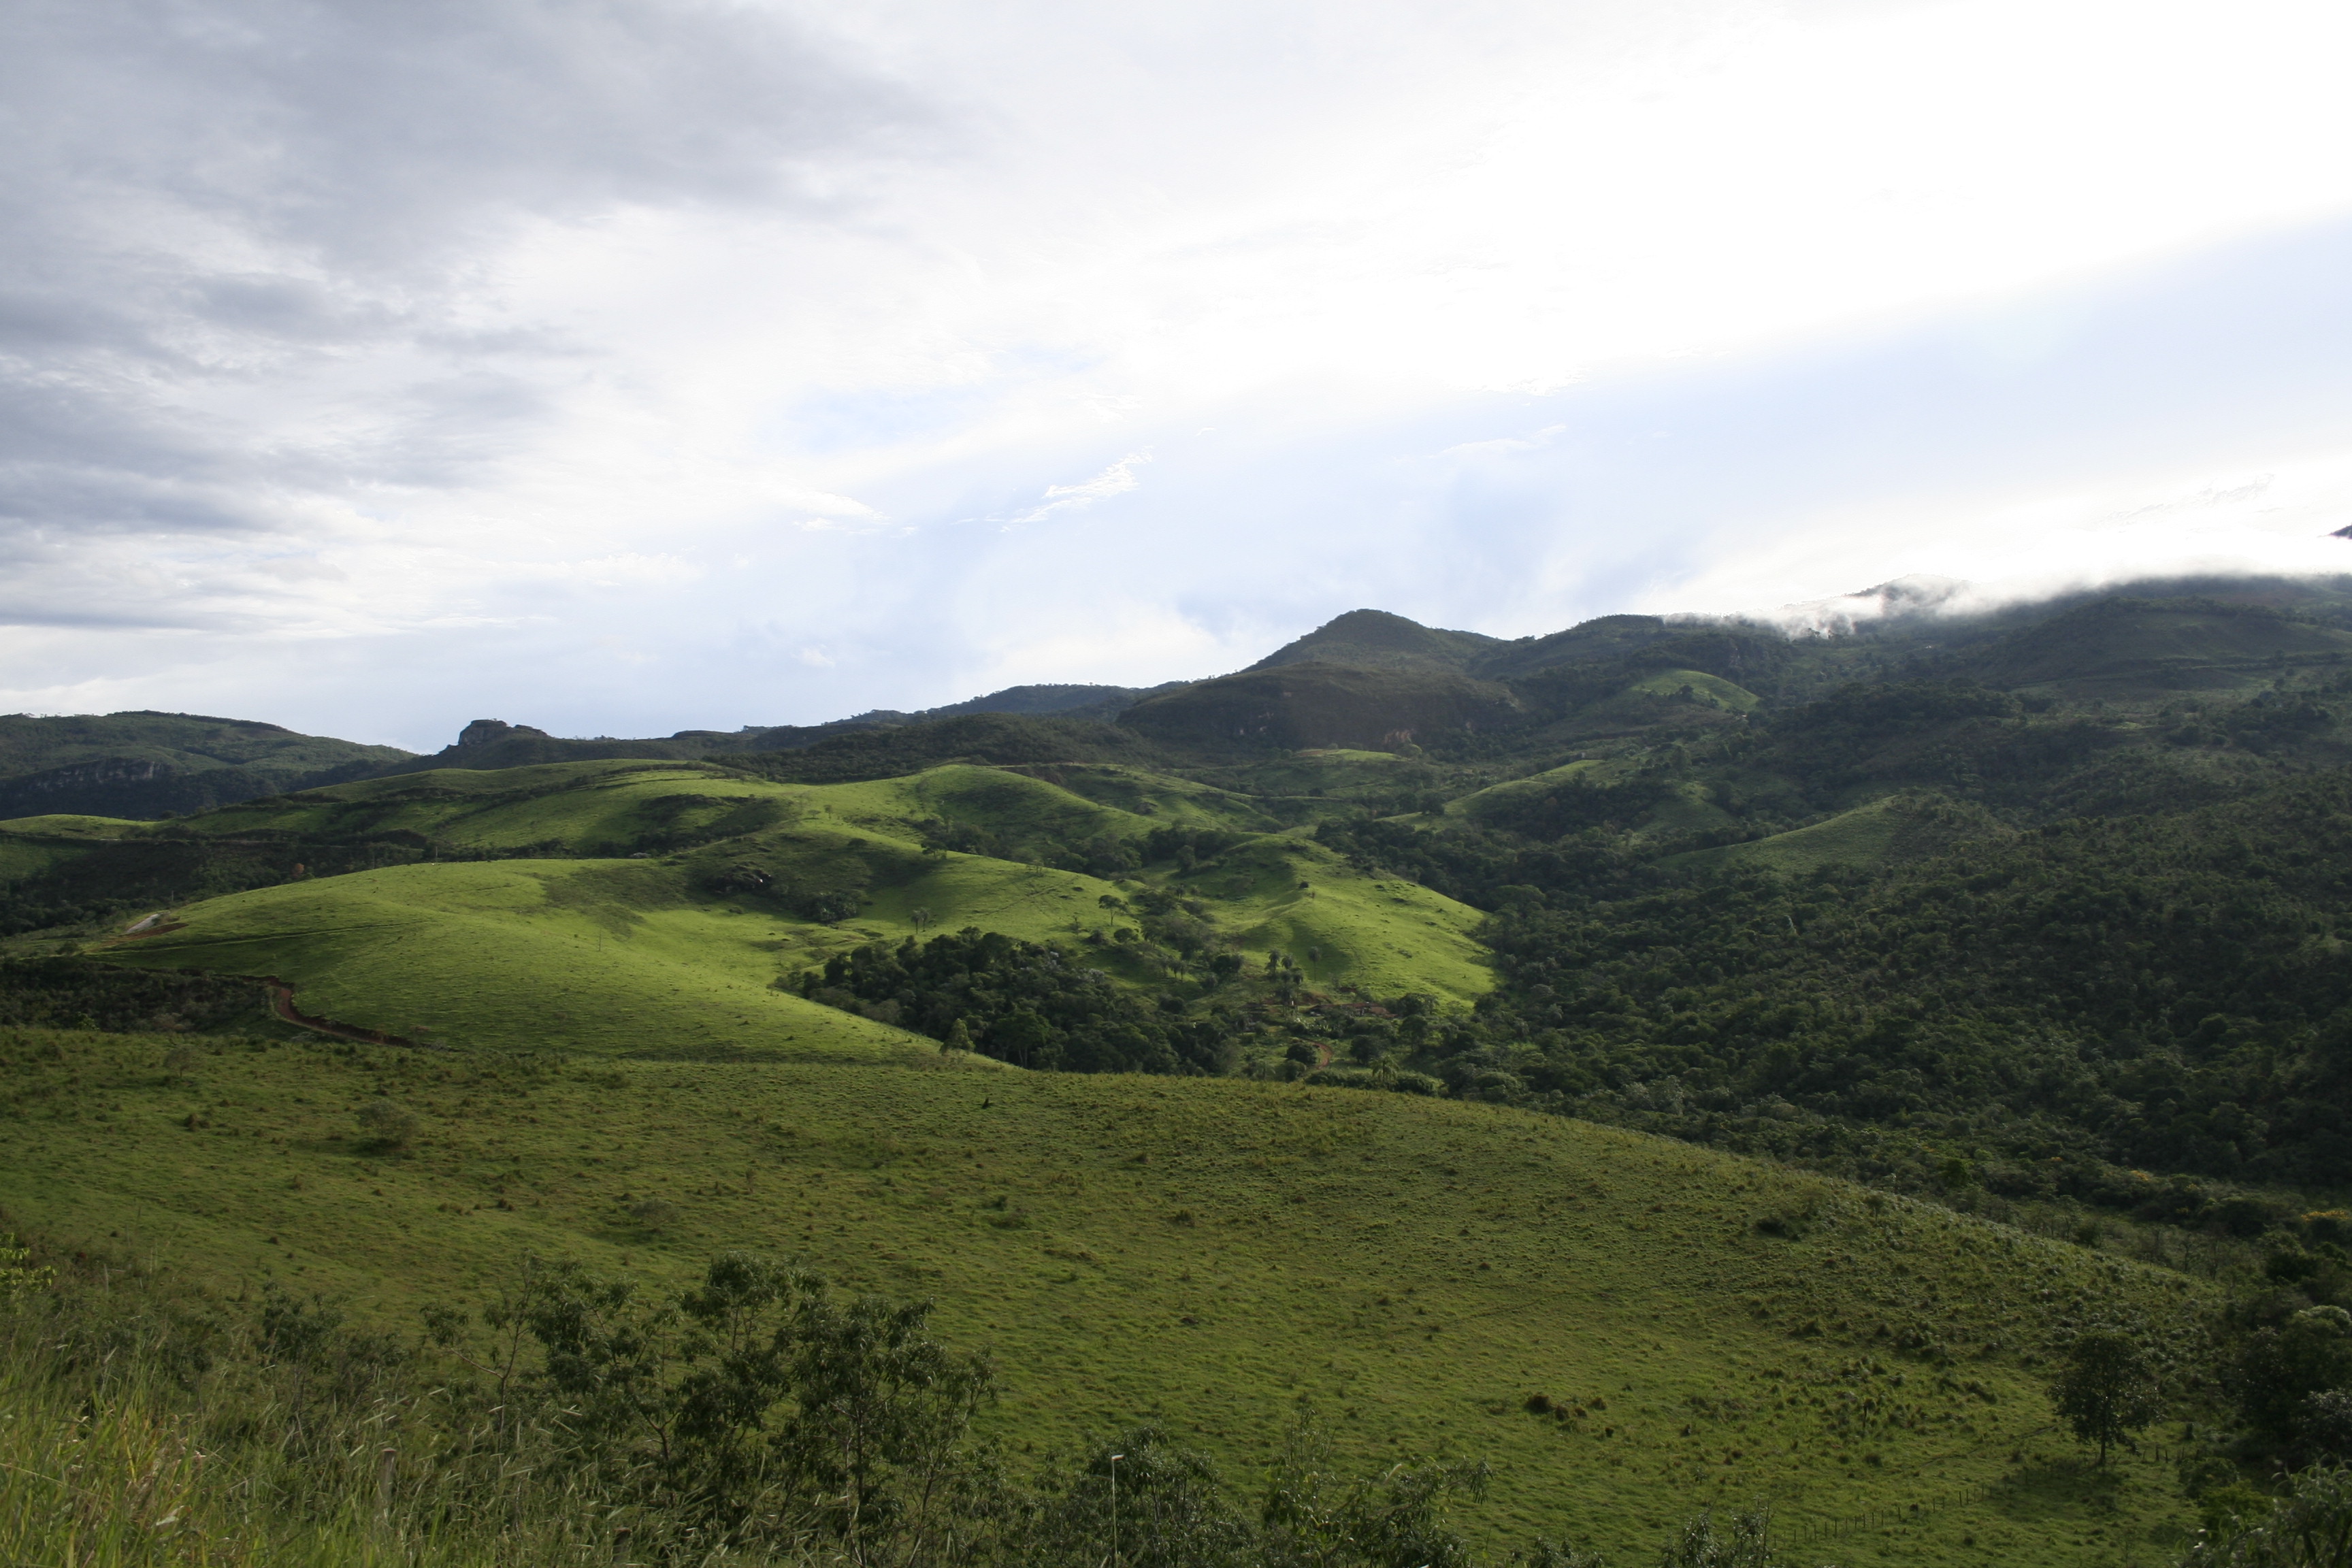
(620,367)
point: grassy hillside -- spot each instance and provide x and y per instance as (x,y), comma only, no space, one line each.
(521,955)
(1212,1254)
(1699,686)
(1884,833)
(670,900)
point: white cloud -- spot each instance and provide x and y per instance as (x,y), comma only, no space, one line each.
(1117,480)
(1958,554)
(479,325)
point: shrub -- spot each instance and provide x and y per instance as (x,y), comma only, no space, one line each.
(1742,1540)
(2312,1528)
(386,1124)
(654,1213)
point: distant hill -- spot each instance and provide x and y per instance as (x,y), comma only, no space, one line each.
(999,739)
(1374,639)
(1610,636)
(146,764)
(2115,646)
(1295,706)
(492,743)
(1099,704)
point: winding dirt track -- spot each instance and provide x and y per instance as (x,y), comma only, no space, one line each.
(281,1003)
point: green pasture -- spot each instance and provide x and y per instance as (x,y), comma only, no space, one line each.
(524,955)
(68,825)
(633,951)
(1711,690)
(1478,801)
(1861,838)
(1163,799)
(1210,1254)
(26,855)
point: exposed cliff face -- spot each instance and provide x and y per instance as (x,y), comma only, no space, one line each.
(487,731)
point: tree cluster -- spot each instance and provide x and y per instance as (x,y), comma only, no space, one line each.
(1021,1002)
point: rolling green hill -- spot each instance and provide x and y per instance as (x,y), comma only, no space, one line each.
(147,765)
(1704,1331)
(659,906)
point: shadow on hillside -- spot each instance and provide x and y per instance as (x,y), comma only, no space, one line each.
(2075,1485)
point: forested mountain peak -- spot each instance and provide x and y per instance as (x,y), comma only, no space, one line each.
(1375,639)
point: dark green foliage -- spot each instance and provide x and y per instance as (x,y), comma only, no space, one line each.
(2280,1367)
(1741,1541)
(1374,639)
(1398,1519)
(112,880)
(1573,806)
(667,827)
(1104,856)
(1021,1002)
(77,993)
(2311,1528)
(1488,869)
(1187,847)
(997,738)
(2155,642)
(2107,1390)
(760,1394)
(757,1412)
(150,764)
(2158,991)
(1157,1504)
(1314,704)
(387,1125)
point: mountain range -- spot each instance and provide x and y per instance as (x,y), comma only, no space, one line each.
(1698,1062)
(1367,679)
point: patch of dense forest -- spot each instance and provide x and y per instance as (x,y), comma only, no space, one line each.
(2103,947)
(109,881)
(76,993)
(1021,1002)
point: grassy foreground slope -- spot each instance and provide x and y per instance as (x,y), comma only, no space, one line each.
(673,938)
(1209,1253)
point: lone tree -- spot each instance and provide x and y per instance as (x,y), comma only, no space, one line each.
(2108,1390)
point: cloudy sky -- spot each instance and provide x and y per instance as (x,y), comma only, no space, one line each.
(626,365)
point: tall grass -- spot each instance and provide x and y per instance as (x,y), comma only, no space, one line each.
(144,1424)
